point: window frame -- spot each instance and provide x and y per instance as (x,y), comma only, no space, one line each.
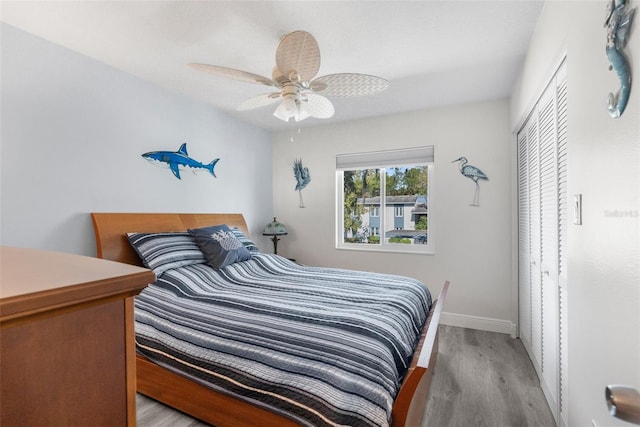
(387,223)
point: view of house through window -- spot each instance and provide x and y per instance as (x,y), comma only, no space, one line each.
(387,204)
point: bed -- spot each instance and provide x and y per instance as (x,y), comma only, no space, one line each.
(201,393)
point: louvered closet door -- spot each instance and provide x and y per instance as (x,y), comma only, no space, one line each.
(542,228)
(524,280)
(533,165)
(547,124)
(563,224)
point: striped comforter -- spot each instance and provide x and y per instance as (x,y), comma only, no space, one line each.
(322,346)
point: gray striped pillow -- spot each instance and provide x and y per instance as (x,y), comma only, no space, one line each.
(164,251)
(248,243)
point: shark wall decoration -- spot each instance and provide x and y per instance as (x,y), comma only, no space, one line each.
(178,160)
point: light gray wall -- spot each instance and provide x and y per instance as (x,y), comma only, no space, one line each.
(604,166)
(473,244)
(73,130)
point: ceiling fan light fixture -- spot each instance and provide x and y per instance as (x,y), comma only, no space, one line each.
(287,109)
(301,113)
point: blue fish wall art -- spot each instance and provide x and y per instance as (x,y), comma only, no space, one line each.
(618,24)
(178,160)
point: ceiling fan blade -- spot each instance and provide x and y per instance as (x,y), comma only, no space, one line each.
(348,84)
(317,106)
(232,73)
(298,56)
(259,101)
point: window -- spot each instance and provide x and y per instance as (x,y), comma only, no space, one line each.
(384,199)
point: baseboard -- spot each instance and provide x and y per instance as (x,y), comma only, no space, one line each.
(480,323)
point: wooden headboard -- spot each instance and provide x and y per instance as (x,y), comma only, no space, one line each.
(111,228)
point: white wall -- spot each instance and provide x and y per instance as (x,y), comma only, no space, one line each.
(473,248)
(73,130)
(604,166)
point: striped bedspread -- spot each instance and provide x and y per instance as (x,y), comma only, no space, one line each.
(322,346)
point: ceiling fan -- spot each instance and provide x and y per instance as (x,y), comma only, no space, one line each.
(300,95)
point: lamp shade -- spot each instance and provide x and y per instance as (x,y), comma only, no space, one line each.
(274,228)
(286,109)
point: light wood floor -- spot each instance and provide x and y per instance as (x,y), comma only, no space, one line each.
(484,379)
(481,379)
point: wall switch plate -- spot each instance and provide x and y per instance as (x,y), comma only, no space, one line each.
(577,209)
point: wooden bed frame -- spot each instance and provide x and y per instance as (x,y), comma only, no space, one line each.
(217,408)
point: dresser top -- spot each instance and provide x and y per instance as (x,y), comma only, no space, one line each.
(32,279)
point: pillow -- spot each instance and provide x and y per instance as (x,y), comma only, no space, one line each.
(220,246)
(164,251)
(248,243)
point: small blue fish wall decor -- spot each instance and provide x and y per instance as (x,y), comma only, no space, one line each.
(303,177)
(178,160)
(618,24)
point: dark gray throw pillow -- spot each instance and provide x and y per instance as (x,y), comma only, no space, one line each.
(220,246)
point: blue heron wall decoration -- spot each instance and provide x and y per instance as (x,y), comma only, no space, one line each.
(303,177)
(474,174)
(618,24)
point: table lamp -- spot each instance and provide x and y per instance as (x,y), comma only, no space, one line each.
(275,229)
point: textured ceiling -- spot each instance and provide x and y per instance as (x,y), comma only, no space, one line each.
(433,52)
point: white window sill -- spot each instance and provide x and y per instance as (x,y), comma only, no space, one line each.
(386,249)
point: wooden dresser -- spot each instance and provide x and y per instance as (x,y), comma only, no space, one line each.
(67,350)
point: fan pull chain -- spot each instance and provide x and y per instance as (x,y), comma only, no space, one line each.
(291,138)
